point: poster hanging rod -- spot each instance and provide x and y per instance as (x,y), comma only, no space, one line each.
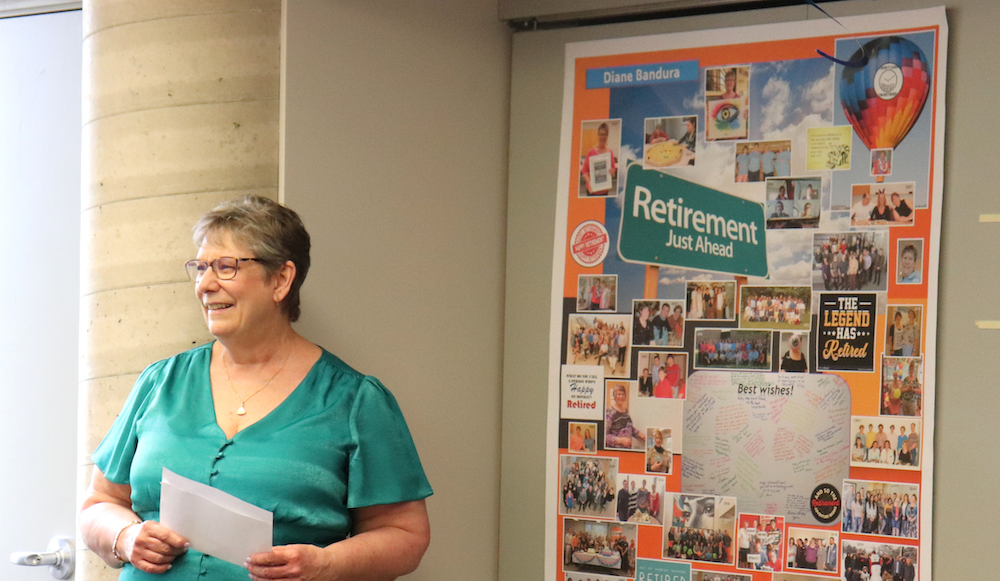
(656,11)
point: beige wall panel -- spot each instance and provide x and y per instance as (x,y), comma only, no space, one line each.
(101,14)
(210,58)
(396,158)
(106,396)
(200,148)
(126,330)
(144,242)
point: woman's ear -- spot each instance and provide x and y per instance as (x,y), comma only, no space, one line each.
(282,281)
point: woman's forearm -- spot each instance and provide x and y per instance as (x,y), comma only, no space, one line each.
(100,524)
(378,555)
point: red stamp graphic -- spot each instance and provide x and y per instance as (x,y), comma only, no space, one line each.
(589,243)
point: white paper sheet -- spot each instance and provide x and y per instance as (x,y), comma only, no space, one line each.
(216,523)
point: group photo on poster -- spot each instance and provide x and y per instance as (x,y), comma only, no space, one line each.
(701,528)
(744,303)
(888,509)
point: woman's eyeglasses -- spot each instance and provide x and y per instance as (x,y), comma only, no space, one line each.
(225,267)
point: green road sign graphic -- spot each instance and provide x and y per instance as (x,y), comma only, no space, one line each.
(668,221)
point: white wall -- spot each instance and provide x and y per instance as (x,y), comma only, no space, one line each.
(40,69)
(396,157)
(966,469)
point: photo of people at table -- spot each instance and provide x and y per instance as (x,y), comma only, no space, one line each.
(851,261)
(659,450)
(885,442)
(794,577)
(662,374)
(697,575)
(758,160)
(732,349)
(903,330)
(874,561)
(639,499)
(792,202)
(775,307)
(597,292)
(600,340)
(882,204)
(657,323)
(902,386)
(587,485)
(812,549)
(599,547)
(590,577)
(701,528)
(759,542)
(890,509)
(680,133)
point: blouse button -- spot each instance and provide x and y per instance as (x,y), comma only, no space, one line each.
(220,455)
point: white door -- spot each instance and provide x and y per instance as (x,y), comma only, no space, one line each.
(40,105)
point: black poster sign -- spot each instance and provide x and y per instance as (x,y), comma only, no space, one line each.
(846,339)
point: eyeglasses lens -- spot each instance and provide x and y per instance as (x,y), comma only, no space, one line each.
(225,268)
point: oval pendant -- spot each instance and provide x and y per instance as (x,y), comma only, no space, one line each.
(241,411)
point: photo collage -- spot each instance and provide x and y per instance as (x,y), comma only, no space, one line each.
(762,297)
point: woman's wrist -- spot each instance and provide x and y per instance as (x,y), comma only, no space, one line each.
(114,545)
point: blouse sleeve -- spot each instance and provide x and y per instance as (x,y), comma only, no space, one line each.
(114,454)
(384,466)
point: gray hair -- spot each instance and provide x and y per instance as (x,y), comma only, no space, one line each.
(273,233)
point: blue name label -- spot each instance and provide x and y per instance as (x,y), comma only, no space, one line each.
(634,75)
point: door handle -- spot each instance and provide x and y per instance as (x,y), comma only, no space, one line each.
(60,558)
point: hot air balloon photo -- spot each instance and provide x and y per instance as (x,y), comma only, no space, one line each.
(883,99)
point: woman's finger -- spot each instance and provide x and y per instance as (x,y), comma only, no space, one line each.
(176,542)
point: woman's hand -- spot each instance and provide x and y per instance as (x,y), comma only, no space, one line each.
(151,547)
(292,562)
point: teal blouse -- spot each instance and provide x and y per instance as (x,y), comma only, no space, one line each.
(337,442)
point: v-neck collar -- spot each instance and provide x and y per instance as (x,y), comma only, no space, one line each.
(273,413)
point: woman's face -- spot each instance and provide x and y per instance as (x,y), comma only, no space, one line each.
(620,395)
(658,438)
(907,262)
(238,305)
(602,137)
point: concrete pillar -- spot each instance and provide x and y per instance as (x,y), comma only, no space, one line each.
(180,112)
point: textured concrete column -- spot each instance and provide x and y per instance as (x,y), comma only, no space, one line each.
(180,111)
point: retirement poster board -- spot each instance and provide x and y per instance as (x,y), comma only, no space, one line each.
(744,304)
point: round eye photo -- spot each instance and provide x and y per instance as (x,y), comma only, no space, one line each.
(726,116)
